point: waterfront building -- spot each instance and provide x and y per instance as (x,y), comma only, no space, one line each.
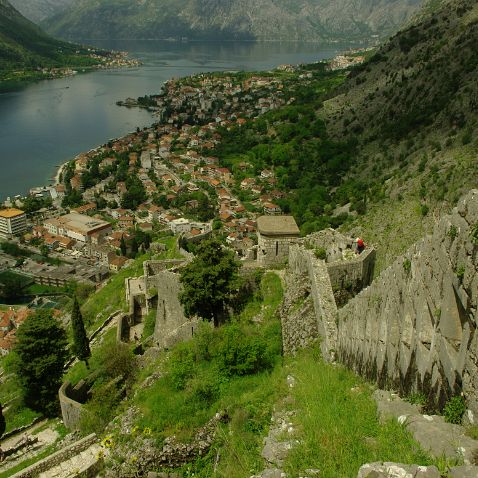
(13,222)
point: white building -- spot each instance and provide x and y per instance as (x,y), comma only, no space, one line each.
(78,226)
(180,225)
(13,222)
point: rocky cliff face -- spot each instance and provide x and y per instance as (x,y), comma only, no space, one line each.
(233,19)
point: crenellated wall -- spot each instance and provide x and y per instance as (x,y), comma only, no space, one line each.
(414,328)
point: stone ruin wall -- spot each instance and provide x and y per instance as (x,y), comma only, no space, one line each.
(354,274)
(302,262)
(172,326)
(71,400)
(269,245)
(414,328)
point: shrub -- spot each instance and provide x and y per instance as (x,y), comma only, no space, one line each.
(454,409)
(424,210)
(181,365)
(407,266)
(460,272)
(241,354)
(320,253)
(452,232)
(474,234)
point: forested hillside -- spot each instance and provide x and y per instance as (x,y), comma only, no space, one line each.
(24,45)
(304,20)
(38,10)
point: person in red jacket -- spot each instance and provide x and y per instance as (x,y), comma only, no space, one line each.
(360,245)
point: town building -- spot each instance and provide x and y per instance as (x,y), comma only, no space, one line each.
(13,222)
(78,226)
(275,234)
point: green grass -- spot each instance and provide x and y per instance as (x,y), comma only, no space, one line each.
(79,370)
(265,303)
(196,385)
(338,426)
(149,324)
(17,415)
(111,297)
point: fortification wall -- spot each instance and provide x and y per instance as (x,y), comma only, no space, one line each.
(71,399)
(414,328)
(303,261)
(353,274)
(172,325)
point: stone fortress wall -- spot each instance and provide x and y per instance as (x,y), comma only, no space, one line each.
(172,326)
(413,328)
(71,400)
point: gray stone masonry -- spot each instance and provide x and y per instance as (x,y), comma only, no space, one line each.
(275,234)
(439,438)
(57,458)
(303,261)
(172,326)
(71,399)
(414,328)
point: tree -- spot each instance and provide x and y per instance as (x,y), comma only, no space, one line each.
(44,250)
(3,425)
(123,246)
(209,282)
(38,359)
(81,344)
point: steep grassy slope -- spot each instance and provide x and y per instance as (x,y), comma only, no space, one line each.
(413,108)
(232,19)
(37,10)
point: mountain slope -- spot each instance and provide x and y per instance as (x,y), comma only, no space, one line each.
(232,19)
(27,53)
(38,10)
(22,43)
(414,110)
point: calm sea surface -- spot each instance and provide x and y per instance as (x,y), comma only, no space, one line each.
(50,122)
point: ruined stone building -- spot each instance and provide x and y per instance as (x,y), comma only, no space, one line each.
(275,234)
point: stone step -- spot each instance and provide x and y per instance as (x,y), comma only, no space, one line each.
(70,467)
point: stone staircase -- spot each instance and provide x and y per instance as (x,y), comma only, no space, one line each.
(77,465)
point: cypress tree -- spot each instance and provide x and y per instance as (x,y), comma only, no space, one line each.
(123,246)
(81,345)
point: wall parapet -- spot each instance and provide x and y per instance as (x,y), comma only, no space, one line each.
(303,261)
(71,402)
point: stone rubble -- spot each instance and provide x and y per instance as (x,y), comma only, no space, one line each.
(434,435)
